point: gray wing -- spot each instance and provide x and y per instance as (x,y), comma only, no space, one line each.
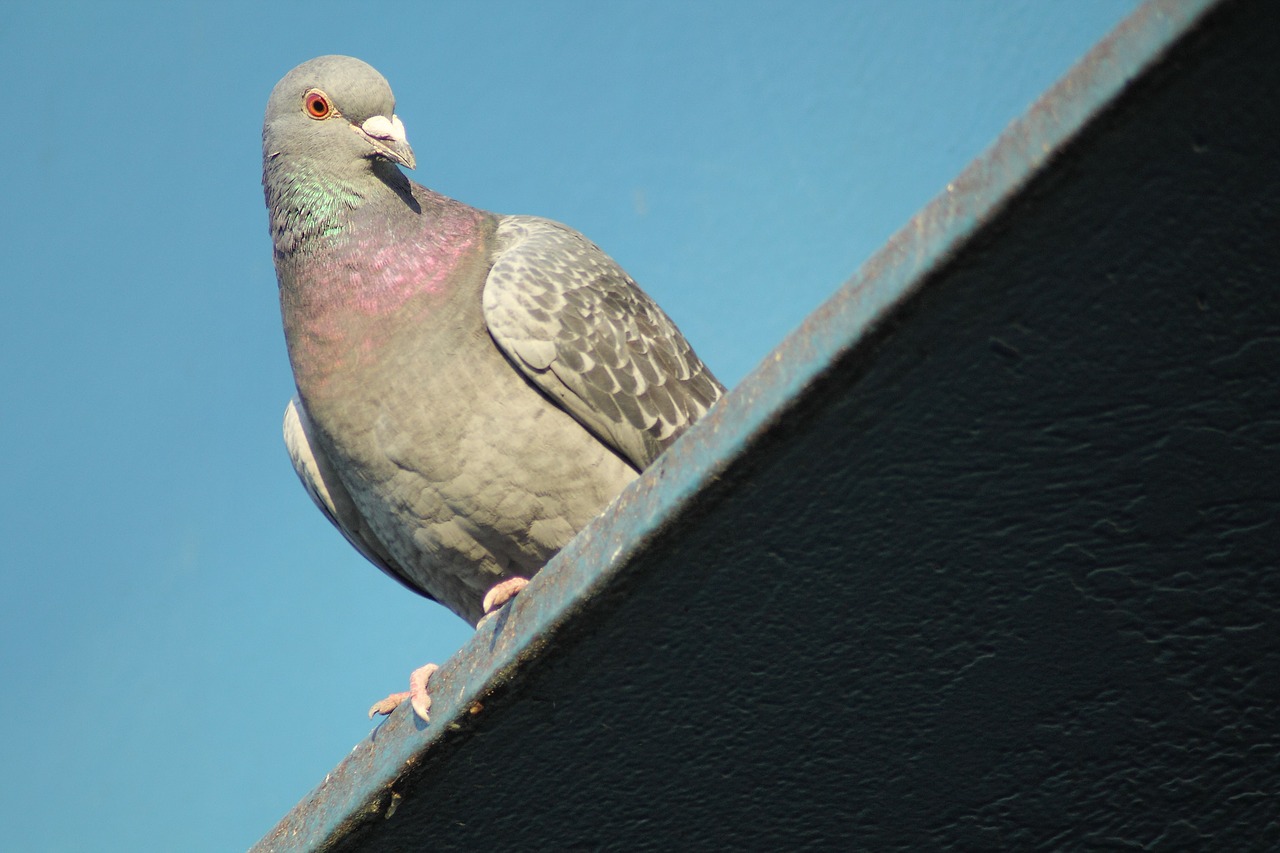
(330,495)
(583,332)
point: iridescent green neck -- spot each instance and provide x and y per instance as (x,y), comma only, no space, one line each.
(305,203)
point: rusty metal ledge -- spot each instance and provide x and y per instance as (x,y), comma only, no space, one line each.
(976,558)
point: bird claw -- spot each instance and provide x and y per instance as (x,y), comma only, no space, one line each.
(387,705)
(417,695)
(502,592)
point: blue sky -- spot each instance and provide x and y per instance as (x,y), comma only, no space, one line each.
(186,646)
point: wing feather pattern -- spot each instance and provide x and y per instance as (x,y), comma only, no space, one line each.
(570,319)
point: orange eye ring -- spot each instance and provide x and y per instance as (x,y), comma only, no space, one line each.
(316,104)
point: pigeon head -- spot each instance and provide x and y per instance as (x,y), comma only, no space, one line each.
(336,113)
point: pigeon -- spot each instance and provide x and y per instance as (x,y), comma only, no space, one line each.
(472,388)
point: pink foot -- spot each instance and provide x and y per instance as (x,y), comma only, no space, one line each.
(416,694)
(502,593)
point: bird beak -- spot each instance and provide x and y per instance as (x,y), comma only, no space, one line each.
(387,137)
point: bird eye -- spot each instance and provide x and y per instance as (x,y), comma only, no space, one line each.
(316,104)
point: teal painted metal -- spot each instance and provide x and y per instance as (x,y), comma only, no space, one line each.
(587,583)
